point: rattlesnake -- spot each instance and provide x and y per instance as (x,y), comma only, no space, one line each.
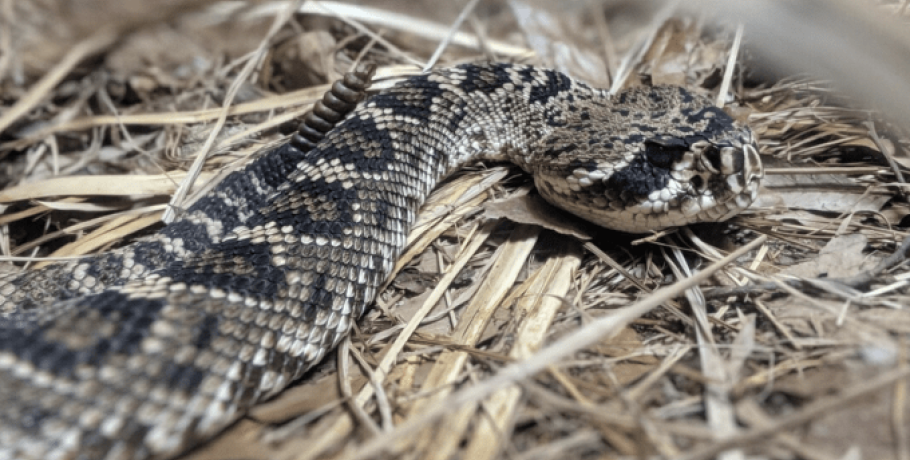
(143,351)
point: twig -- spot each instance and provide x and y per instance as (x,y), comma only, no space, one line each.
(731,67)
(452,30)
(344,379)
(886,152)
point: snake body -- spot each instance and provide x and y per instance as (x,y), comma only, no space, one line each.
(144,351)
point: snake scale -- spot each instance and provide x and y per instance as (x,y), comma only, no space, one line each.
(147,350)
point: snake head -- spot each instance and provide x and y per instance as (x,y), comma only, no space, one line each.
(681,180)
(712,180)
(706,169)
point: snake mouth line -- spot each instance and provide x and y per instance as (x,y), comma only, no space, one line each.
(753,171)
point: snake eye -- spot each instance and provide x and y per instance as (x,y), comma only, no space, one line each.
(664,153)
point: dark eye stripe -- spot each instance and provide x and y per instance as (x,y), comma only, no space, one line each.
(663,156)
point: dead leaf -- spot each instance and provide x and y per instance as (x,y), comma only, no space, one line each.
(841,257)
(627,344)
(239,441)
(305,398)
(533,210)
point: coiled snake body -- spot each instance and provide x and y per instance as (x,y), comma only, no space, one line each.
(144,351)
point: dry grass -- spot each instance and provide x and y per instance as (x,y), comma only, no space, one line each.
(780,335)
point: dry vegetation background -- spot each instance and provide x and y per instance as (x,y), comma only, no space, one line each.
(796,349)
